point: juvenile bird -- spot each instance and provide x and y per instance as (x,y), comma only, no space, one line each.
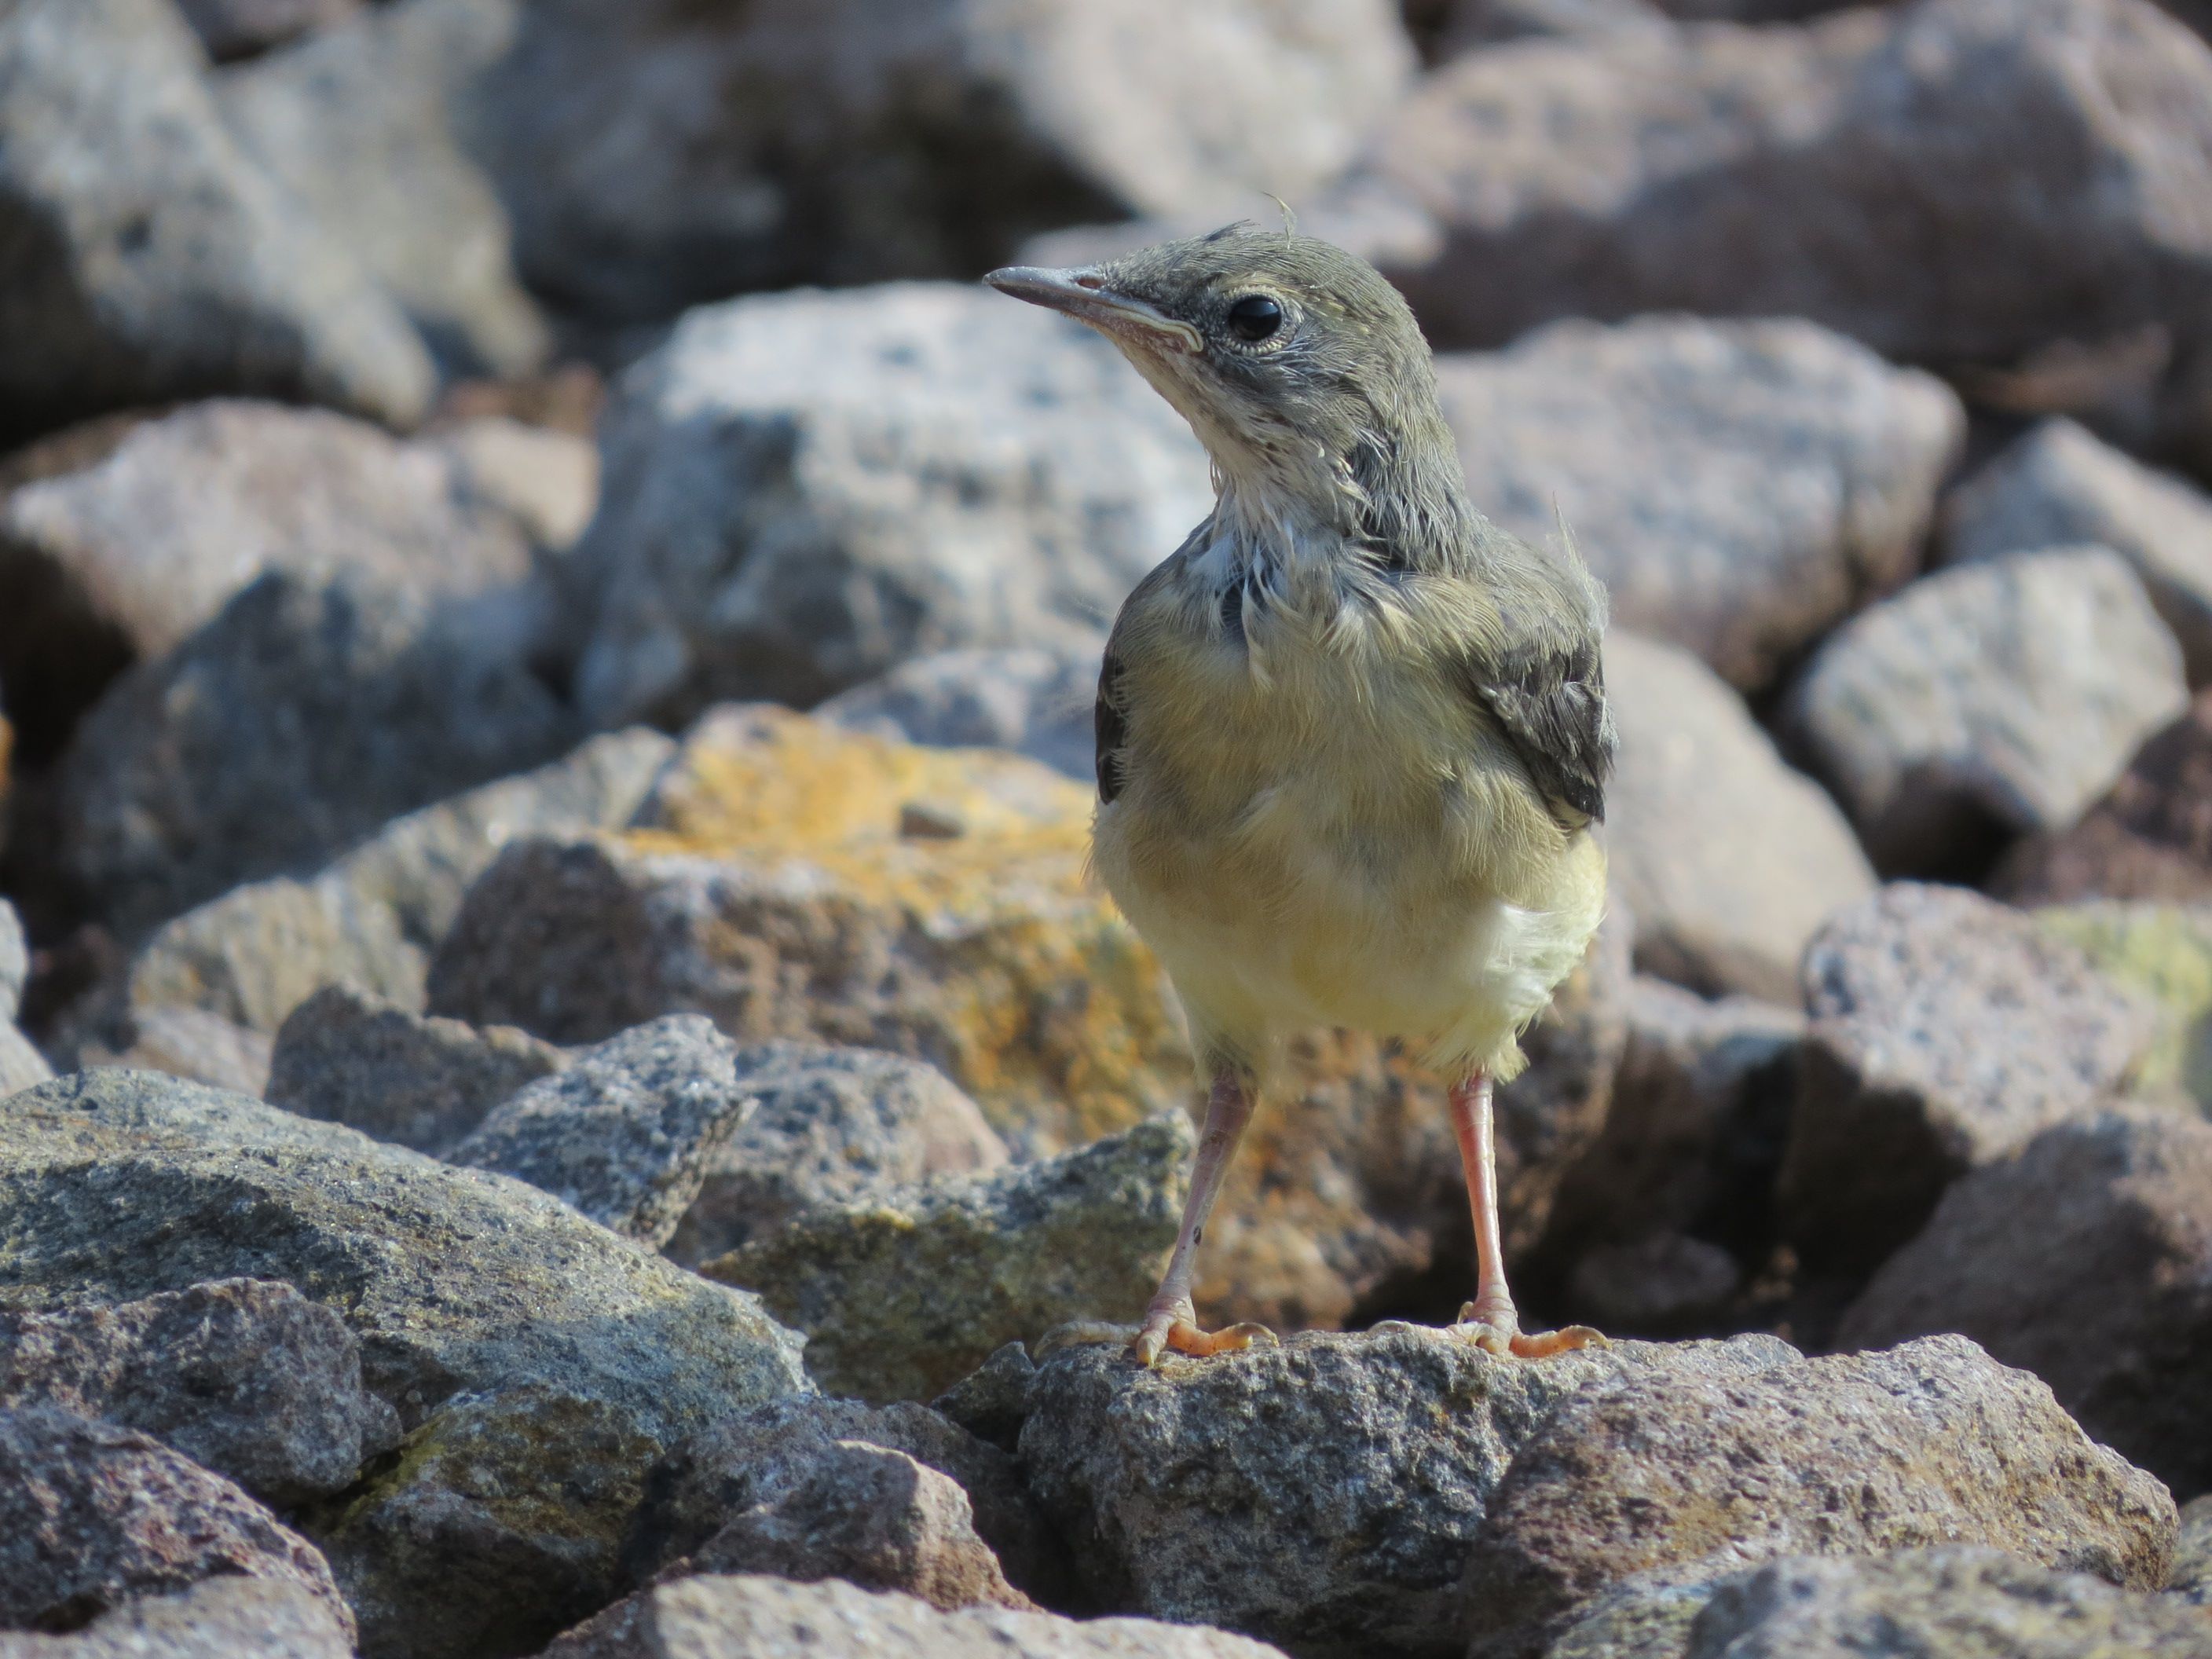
(1352,737)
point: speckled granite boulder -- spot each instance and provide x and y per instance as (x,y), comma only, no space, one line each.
(222,1618)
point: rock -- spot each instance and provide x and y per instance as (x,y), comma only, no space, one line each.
(708,1618)
(1462,26)
(239,29)
(1738,487)
(14,961)
(2162,953)
(2191,1577)
(1661,1285)
(1632,1621)
(991,1401)
(771,887)
(189,1044)
(369,920)
(624,1131)
(305,716)
(220,1618)
(408,1079)
(358,123)
(126,558)
(878,140)
(758,1460)
(828,1126)
(2103,1297)
(1727,857)
(247,1378)
(1992,700)
(154,261)
(1953,1600)
(92,1516)
(1946,1031)
(1323,1493)
(539,1363)
(2059,487)
(1732,172)
(546,480)
(1675,1478)
(902,1297)
(1027,698)
(21,1066)
(803,490)
(2149,838)
(1701,1109)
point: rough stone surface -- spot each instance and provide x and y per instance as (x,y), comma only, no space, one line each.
(1323,1493)
(370,919)
(828,1125)
(1740,488)
(2149,838)
(1741,171)
(1988,701)
(151,259)
(896,470)
(249,1378)
(991,1401)
(2107,1296)
(880,138)
(2162,953)
(1728,860)
(1944,1032)
(92,1516)
(190,1044)
(1032,700)
(305,716)
(124,558)
(711,1616)
(624,1131)
(14,961)
(2057,486)
(2191,1577)
(222,1618)
(777,887)
(1680,1477)
(760,1458)
(358,124)
(412,1079)
(539,1363)
(1960,1600)
(240,28)
(21,1066)
(901,1298)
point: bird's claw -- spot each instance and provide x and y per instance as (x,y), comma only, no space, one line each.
(1172,1330)
(1498,1330)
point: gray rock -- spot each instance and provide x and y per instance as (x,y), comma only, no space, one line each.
(878,138)
(21,1066)
(714,1617)
(828,1125)
(1033,700)
(2057,487)
(1926,1601)
(1727,859)
(306,716)
(803,490)
(220,1618)
(2191,1577)
(901,1298)
(1946,1032)
(540,1364)
(2103,1297)
(250,1379)
(14,961)
(1661,1285)
(1632,1621)
(760,1459)
(991,1401)
(546,480)
(240,28)
(152,260)
(1726,171)
(93,1515)
(624,1131)
(1738,487)
(412,1079)
(1462,26)
(358,123)
(1323,1493)
(1675,1478)
(370,919)
(1988,701)
(189,1044)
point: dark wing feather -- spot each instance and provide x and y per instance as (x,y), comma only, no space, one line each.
(1110,726)
(1548,698)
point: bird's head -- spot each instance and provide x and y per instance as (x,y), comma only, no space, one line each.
(1300,369)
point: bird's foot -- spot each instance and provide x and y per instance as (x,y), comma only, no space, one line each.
(1495,1327)
(1172,1327)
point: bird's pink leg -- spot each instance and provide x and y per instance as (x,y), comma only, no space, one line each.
(1489,1321)
(1170,1322)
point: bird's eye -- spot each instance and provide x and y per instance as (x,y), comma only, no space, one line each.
(1255,317)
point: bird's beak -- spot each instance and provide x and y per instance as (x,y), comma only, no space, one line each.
(1084,295)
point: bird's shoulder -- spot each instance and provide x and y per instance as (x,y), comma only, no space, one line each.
(1109,719)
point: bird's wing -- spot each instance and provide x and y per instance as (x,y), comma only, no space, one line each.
(1540,675)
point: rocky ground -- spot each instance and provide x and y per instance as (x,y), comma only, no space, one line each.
(564,1088)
